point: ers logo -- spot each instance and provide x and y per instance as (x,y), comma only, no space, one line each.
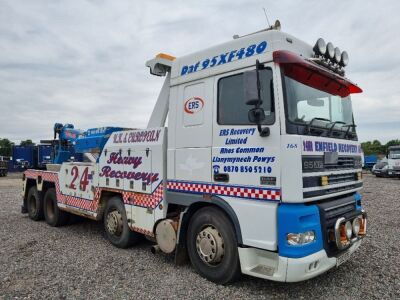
(194,105)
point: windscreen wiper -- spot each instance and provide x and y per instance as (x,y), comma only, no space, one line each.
(348,129)
(309,125)
(333,125)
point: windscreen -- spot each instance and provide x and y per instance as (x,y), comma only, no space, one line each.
(394,154)
(305,103)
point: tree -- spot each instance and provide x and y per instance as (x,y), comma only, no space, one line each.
(5,147)
(27,143)
(375,147)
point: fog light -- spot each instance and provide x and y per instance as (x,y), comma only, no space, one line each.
(302,238)
(349,230)
(363,226)
(356,226)
(342,241)
(324,180)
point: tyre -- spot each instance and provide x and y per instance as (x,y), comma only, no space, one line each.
(212,246)
(34,204)
(116,225)
(53,215)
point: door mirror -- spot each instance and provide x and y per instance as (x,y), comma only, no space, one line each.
(256,115)
(250,88)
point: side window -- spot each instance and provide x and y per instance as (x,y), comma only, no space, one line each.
(232,108)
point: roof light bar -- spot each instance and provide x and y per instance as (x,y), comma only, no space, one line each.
(330,56)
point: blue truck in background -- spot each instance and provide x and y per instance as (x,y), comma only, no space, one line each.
(370,161)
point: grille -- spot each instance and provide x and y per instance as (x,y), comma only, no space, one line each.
(340,178)
(344,162)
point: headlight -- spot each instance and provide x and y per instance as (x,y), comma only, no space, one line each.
(385,167)
(297,239)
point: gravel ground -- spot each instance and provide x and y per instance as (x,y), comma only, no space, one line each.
(76,262)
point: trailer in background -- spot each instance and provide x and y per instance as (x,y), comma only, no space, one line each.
(43,155)
(23,157)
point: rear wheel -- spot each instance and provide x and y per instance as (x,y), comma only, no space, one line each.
(53,215)
(34,204)
(116,225)
(212,246)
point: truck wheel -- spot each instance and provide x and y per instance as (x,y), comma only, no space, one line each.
(212,246)
(34,204)
(116,225)
(53,215)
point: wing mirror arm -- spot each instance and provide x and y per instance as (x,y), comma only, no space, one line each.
(251,84)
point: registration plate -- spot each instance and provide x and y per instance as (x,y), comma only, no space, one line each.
(343,258)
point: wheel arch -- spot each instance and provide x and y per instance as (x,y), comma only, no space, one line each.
(104,197)
(195,202)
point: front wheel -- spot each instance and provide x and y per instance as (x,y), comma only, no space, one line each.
(212,246)
(116,225)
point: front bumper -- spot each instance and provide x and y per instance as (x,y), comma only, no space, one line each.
(394,173)
(269,265)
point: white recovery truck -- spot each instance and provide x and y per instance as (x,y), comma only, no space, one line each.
(257,171)
(393,159)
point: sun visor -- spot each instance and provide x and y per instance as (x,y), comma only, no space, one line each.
(311,74)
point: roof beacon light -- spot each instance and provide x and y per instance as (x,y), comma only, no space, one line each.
(344,61)
(320,47)
(338,55)
(330,51)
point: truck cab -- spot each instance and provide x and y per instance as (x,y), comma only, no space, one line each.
(250,163)
(394,161)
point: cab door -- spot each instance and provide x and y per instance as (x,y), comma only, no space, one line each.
(245,165)
(240,156)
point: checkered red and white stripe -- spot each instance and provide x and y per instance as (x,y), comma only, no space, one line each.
(142,231)
(148,200)
(80,203)
(137,199)
(224,190)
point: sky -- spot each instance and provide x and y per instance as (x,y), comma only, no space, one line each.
(82,62)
